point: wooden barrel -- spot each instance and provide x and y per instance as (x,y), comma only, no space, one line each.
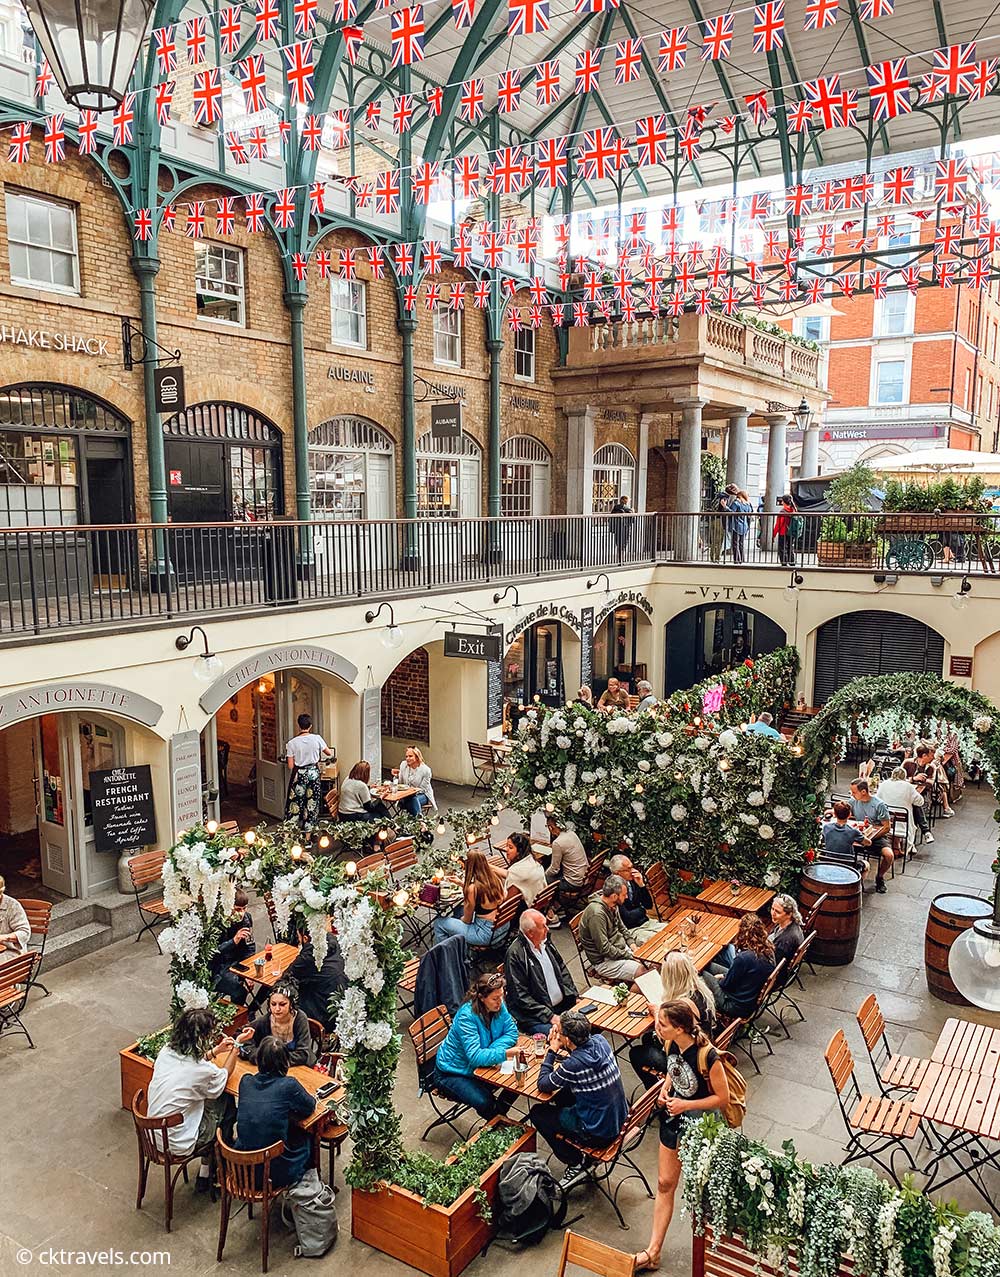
(948,917)
(839,921)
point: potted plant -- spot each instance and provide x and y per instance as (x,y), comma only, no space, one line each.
(941,506)
(847,538)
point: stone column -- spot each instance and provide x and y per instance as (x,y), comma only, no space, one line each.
(777,476)
(688,500)
(579,460)
(736,448)
(809,465)
(642,463)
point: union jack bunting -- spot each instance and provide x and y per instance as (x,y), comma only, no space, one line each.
(989,238)
(728,123)
(888,89)
(284,131)
(143,223)
(304,13)
(547,82)
(402,112)
(819,14)
(717,38)
(195,39)
(55,139)
(769,26)
(345,264)
(855,192)
(462,13)
(509,91)
(410,297)
(300,71)
(312,132)
(207,95)
(586,70)
(284,208)
(984,78)
(266,19)
(689,141)
(456,299)
(432,257)
(373,114)
(230,23)
(827,99)
(340,127)
(168,217)
(253,82)
(869,10)
(951,179)
(300,263)
(407,35)
(514,320)
(799,116)
(235,147)
(931,88)
(527,17)
(493,249)
(43,78)
(581,315)
(426,179)
(481,294)
(164,98)
(403,259)
(353,37)
(323,263)
(628,60)
(166,50)
(194,227)
(376,262)
(472,101)
(387,192)
(86,133)
(510,171)
(947,239)
(957,65)
(344,10)
(979,273)
(435,100)
(461,250)
(651,137)
(467,172)
(551,162)
(123,120)
(225,217)
(254,214)
(673,49)
(432,296)
(598,154)
(759,207)
(317,198)
(757,107)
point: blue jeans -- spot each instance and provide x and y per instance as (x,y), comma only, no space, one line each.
(557,1118)
(478,931)
(724,959)
(415,804)
(468,1090)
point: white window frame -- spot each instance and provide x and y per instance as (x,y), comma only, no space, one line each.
(356,293)
(44,284)
(444,335)
(877,364)
(527,357)
(240,298)
(799,328)
(882,311)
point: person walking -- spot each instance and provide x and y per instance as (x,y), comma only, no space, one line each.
(740,510)
(785,529)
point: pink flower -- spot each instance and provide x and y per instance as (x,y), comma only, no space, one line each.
(713,699)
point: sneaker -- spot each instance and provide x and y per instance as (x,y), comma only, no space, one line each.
(880,886)
(947,815)
(553,924)
(928,838)
(572,1176)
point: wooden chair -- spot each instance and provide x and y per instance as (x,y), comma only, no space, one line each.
(400,856)
(317,1036)
(504,925)
(15,983)
(875,1124)
(594,1256)
(546,899)
(406,989)
(809,924)
(332,1133)
(145,871)
(484,765)
(658,882)
(238,1180)
(892,1072)
(375,861)
(726,1040)
(588,971)
(601,1163)
(899,834)
(152,1136)
(39,914)
(784,1000)
(427,1033)
(769,995)
(332,802)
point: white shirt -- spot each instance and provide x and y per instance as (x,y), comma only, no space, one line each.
(418,778)
(528,876)
(305,750)
(353,796)
(182,1085)
(900,793)
(552,985)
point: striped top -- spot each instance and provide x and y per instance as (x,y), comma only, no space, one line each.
(591,1073)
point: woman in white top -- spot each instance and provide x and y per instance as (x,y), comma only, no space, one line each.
(357,802)
(304,790)
(898,791)
(414,773)
(523,872)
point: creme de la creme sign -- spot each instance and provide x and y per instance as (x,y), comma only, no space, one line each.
(42,339)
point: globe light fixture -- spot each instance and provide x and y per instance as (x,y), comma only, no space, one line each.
(207,666)
(392,636)
(974,960)
(959,600)
(91,46)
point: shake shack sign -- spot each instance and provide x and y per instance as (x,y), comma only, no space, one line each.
(121,801)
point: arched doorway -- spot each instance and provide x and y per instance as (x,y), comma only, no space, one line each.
(871,642)
(713,637)
(614,476)
(449,477)
(542,659)
(223,464)
(351,466)
(621,647)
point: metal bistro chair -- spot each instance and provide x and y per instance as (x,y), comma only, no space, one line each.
(145,871)
(589,973)
(546,899)
(601,1163)
(427,1033)
(238,1180)
(658,882)
(39,914)
(153,1138)
(595,1257)
(769,995)
(504,926)
(784,1000)
(899,835)
(571,898)
(809,924)
(892,1072)
(875,1124)
(15,984)
(400,856)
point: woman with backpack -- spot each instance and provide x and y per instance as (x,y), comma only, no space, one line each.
(696,1082)
(787,528)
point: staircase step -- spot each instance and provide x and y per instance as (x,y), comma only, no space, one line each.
(67,915)
(75,944)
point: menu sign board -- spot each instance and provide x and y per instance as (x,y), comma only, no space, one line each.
(121,802)
(586,646)
(185,781)
(494,685)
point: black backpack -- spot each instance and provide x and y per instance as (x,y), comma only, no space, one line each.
(529,1200)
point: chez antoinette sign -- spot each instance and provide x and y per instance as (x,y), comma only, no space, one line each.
(44,339)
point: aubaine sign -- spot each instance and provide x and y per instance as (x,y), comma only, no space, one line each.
(42,339)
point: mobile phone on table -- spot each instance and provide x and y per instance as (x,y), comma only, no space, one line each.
(326,1089)
(591,1006)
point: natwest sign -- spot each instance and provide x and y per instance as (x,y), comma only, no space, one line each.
(848,434)
(42,339)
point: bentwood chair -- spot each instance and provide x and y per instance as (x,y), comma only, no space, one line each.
(594,1256)
(246,1177)
(875,1125)
(153,1137)
(39,914)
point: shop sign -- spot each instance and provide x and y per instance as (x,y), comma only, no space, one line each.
(42,339)
(121,801)
(446,420)
(544,612)
(524,402)
(52,697)
(674,445)
(472,647)
(363,377)
(304,655)
(615,414)
(850,434)
(586,646)
(444,391)
(726,593)
(626,598)
(960,666)
(371,728)
(185,781)
(494,683)
(168,387)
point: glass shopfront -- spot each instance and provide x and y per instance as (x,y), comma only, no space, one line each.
(351,470)
(615,645)
(449,477)
(707,640)
(614,476)
(223,465)
(533,666)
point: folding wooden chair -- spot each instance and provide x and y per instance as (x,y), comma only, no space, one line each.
(484,765)
(407,987)
(39,914)
(809,924)
(899,834)
(658,882)
(546,899)
(400,856)
(375,861)
(601,1163)
(504,925)
(784,1000)
(427,1033)
(594,1256)
(145,871)
(15,983)
(769,995)
(875,1124)
(892,1072)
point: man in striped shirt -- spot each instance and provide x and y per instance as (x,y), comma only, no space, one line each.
(590,1106)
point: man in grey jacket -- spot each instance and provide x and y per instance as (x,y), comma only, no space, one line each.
(539,986)
(606,942)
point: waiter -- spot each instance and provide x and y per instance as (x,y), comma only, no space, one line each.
(304,752)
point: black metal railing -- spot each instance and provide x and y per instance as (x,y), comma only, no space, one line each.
(89,577)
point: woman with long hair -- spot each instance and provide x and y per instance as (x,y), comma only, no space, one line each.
(357,802)
(737,988)
(681,981)
(695,1083)
(523,870)
(786,923)
(284,1021)
(414,773)
(482,1035)
(481,895)
(784,531)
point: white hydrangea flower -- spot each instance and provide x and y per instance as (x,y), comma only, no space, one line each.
(784,814)
(765,832)
(192,996)
(588,778)
(709,805)
(982,723)
(576,805)
(755,798)
(678,812)
(639,809)
(662,761)
(563,742)
(701,742)
(682,846)
(378,1035)
(541,781)
(644,764)
(727,738)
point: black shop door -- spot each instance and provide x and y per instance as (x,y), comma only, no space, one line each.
(108,502)
(196,493)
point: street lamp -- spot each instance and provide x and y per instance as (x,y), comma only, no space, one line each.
(974,960)
(803,415)
(91,46)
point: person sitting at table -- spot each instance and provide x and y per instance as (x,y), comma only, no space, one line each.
(482,893)
(317,986)
(236,945)
(539,985)
(606,942)
(414,773)
(614,697)
(839,838)
(763,725)
(585,698)
(637,899)
(696,1083)
(284,1020)
(482,1035)
(568,865)
(786,933)
(872,812)
(15,929)
(523,870)
(269,1106)
(590,1106)
(899,791)
(190,1076)
(736,987)
(357,802)
(681,980)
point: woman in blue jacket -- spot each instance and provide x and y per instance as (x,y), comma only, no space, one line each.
(482,1035)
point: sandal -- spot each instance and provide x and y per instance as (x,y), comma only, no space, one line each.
(644,1262)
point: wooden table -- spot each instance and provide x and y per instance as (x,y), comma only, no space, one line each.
(969,1105)
(528,1088)
(282,956)
(718,897)
(312,1079)
(715,931)
(390,793)
(617,1019)
(970,1046)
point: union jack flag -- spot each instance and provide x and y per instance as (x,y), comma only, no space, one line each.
(717,38)
(407,34)
(317,198)
(869,10)
(387,192)
(425,182)
(194,227)
(86,133)
(143,223)
(195,39)
(432,297)
(432,258)
(230,23)
(951,178)
(373,115)
(819,14)
(123,119)
(340,127)
(598,154)
(402,112)
(471,103)
(166,49)
(957,66)
(300,71)
(509,91)
(456,299)
(628,60)
(266,19)
(551,162)
(984,78)
(207,94)
(979,273)
(889,89)
(43,79)
(651,137)
(376,262)
(825,97)
(253,82)
(527,17)
(345,10)
(304,12)
(403,259)
(769,26)
(284,208)
(168,217)
(673,49)
(586,70)
(254,213)
(164,98)
(55,139)
(345,264)
(353,37)
(462,13)
(799,116)
(235,147)
(323,263)
(757,107)
(435,100)
(225,216)
(461,251)
(467,172)
(312,132)
(547,82)
(510,171)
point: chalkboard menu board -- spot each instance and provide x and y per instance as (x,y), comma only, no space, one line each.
(121,801)
(586,646)
(494,684)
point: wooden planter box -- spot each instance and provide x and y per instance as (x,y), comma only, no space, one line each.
(847,554)
(439,1240)
(136,1073)
(730,1258)
(930,523)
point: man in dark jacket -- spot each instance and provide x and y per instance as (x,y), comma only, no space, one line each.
(442,977)
(236,945)
(316,987)
(637,900)
(539,987)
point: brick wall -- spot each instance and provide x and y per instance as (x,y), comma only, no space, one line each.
(406,706)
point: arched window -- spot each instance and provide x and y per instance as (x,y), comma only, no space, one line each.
(614,476)
(223,465)
(351,469)
(449,477)
(525,477)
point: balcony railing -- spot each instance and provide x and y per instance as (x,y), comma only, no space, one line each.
(90,578)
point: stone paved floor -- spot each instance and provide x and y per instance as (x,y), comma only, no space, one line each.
(67,1173)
